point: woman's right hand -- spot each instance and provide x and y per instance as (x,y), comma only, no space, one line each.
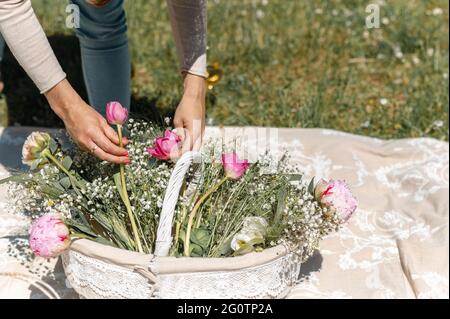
(85,125)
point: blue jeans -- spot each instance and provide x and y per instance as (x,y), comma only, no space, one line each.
(104,53)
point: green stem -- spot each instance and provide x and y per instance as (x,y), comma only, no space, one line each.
(194,212)
(50,157)
(127,200)
(179,222)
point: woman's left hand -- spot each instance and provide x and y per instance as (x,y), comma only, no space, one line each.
(189,119)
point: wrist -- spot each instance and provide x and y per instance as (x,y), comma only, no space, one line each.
(194,86)
(61,98)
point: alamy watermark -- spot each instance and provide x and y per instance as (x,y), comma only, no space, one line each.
(73,16)
(373,19)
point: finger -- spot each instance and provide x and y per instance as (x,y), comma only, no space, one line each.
(188,140)
(101,154)
(112,134)
(197,135)
(179,130)
(176,152)
(198,141)
(109,147)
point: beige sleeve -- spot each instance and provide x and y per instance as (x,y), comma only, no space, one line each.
(188,20)
(27,41)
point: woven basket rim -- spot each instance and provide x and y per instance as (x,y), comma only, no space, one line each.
(170,264)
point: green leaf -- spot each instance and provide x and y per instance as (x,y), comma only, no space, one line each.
(182,235)
(200,237)
(51,191)
(80,227)
(311,186)
(101,218)
(282,194)
(35,164)
(65,182)
(104,241)
(118,183)
(195,250)
(58,186)
(52,145)
(225,248)
(295,177)
(67,162)
(16,178)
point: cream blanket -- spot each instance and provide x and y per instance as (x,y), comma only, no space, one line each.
(395,246)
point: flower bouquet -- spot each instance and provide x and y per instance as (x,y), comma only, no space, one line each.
(204,225)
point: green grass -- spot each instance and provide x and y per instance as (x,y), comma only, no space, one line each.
(298,63)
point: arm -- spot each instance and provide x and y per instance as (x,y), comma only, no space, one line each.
(27,41)
(188,20)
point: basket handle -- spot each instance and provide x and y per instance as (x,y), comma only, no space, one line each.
(164,232)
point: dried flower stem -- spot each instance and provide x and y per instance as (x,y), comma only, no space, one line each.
(125,195)
(194,212)
(53,159)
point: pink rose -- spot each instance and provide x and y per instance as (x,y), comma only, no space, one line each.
(164,145)
(49,236)
(116,114)
(337,196)
(233,166)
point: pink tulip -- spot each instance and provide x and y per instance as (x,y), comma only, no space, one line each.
(116,114)
(164,145)
(49,236)
(337,196)
(233,166)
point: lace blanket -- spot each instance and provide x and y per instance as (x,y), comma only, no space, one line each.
(395,246)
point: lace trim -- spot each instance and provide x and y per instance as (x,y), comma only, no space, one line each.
(271,280)
(93,278)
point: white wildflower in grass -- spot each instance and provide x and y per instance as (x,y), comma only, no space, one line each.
(259,14)
(437,12)
(438,123)
(384,101)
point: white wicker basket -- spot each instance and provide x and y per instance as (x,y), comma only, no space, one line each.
(100,271)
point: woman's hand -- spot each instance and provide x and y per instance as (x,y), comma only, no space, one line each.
(86,126)
(189,117)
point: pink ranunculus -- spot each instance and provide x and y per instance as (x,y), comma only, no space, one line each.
(49,236)
(164,145)
(233,166)
(337,196)
(116,114)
